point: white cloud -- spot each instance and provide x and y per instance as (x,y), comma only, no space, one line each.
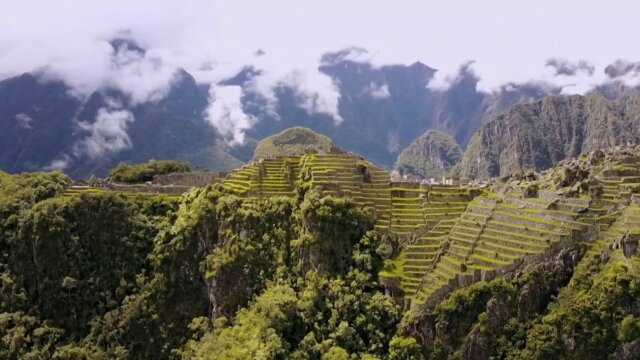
(377,91)
(60,162)
(443,81)
(106,135)
(318,92)
(510,41)
(143,77)
(24,121)
(226,115)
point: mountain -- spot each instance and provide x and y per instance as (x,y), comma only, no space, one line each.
(429,156)
(42,125)
(293,141)
(384,108)
(538,134)
(45,124)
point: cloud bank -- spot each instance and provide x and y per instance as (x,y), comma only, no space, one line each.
(225,113)
(106,135)
(568,68)
(285,42)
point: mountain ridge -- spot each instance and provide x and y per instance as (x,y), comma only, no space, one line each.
(538,134)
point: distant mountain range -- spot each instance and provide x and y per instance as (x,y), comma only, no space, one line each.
(379,125)
(43,125)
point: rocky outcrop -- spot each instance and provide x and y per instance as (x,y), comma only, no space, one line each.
(429,156)
(539,134)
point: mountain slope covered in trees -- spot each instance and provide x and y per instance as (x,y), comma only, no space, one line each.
(293,141)
(210,275)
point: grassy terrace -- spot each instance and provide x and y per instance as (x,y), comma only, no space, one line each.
(627,222)
(448,239)
(488,236)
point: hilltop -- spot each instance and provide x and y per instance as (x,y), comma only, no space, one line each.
(292,141)
(430,156)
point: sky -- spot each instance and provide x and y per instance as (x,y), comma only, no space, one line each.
(509,41)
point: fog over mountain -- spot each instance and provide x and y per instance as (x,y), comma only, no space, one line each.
(111,78)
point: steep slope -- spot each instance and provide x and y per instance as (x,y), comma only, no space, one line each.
(34,122)
(42,125)
(286,251)
(538,134)
(382,110)
(385,108)
(429,156)
(293,141)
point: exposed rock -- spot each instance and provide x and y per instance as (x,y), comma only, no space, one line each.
(530,191)
(595,156)
(547,278)
(538,134)
(429,156)
(497,313)
(475,346)
(628,351)
(629,244)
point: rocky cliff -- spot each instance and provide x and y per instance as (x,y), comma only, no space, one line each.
(429,156)
(538,134)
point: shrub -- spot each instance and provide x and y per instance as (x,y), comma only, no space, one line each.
(139,173)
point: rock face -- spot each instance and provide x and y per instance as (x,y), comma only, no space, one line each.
(293,141)
(429,156)
(538,134)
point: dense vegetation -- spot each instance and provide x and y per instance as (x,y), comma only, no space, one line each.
(292,141)
(431,155)
(102,276)
(214,276)
(143,172)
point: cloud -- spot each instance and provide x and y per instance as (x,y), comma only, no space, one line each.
(443,81)
(622,67)
(144,76)
(24,121)
(319,93)
(60,162)
(351,53)
(568,68)
(377,91)
(106,135)
(316,92)
(226,115)
(214,40)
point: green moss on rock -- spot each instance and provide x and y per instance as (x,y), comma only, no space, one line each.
(292,141)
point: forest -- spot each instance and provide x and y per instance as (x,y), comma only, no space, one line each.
(210,275)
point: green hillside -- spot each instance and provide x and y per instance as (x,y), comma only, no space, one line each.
(292,141)
(321,256)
